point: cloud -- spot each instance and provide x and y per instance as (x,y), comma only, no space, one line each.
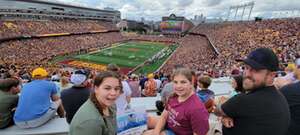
(184,3)
(155,9)
(211,3)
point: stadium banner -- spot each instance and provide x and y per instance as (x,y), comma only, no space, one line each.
(132,122)
(89,65)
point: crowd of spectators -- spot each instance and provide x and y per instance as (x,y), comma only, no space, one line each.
(233,40)
(193,52)
(20,56)
(16,28)
(38,52)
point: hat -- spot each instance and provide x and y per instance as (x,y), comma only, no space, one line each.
(150,75)
(134,75)
(79,77)
(262,58)
(39,72)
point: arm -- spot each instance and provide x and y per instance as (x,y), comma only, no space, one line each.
(128,99)
(227,122)
(234,107)
(161,123)
(127,91)
(218,110)
(279,82)
(60,110)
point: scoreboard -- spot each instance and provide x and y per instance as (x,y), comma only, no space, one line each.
(171,25)
(174,24)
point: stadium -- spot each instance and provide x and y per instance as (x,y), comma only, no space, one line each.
(63,39)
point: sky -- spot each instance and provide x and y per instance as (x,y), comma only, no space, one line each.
(155,9)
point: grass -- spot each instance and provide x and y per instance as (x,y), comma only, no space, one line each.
(126,55)
(129,54)
(154,66)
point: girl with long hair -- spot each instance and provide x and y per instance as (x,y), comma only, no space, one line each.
(97,116)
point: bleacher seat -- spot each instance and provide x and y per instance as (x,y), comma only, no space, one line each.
(56,126)
(147,102)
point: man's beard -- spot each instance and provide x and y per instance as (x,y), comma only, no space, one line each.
(249,84)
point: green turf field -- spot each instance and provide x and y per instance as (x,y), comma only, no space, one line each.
(154,66)
(128,55)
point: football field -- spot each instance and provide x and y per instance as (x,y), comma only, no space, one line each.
(126,55)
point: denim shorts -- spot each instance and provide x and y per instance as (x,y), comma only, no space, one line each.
(41,120)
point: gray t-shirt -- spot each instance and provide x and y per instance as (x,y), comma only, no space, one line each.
(166,91)
(88,121)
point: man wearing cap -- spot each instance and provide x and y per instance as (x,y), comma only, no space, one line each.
(263,110)
(75,96)
(38,102)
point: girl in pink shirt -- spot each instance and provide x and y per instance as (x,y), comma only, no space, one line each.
(184,113)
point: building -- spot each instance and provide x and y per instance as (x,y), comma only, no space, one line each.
(131,25)
(40,9)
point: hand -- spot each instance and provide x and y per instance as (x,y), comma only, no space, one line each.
(280,82)
(222,100)
(227,122)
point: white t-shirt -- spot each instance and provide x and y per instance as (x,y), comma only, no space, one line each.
(158,83)
(121,101)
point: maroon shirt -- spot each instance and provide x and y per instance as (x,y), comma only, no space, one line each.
(187,117)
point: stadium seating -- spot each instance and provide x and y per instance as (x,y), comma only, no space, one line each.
(234,40)
(56,126)
(18,28)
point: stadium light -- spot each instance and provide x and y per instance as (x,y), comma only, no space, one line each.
(243,7)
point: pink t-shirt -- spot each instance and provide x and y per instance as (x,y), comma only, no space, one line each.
(187,117)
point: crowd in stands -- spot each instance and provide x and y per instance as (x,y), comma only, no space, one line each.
(17,28)
(231,39)
(234,40)
(194,52)
(81,87)
(34,52)
(30,53)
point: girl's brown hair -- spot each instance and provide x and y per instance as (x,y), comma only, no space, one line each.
(97,82)
(185,72)
(8,83)
(181,71)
